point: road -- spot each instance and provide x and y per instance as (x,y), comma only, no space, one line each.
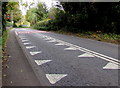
(63,60)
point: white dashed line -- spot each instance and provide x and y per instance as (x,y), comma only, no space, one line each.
(30,47)
(111,66)
(86,55)
(53,78)
(40,62)
(34,53)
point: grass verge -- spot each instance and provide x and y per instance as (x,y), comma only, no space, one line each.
(4,39)
(0,47)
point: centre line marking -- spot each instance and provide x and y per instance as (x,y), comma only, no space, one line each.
(104,57)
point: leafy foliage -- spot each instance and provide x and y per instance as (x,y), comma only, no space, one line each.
(41,12)
(7,8)
(80,17)
(31,16)
(36,16)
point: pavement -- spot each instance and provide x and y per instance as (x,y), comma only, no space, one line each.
(62,60)
(17,71)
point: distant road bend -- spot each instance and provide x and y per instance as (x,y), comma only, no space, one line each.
(63,60)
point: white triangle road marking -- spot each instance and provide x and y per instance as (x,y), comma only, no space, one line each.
(70,48)
(86,55)
(59,44)
(21,36)
(26,43)
(34,53)
(40,62)
(53,78)
(24,40)
(43,37)
(52,41)
(111,66)
(30,47)
(47,39)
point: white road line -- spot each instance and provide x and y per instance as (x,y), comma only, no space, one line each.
(26,43)
(47,39)
(86,55)
(111,66)
(34,53)
(53,78)
(52,41)
(40,62)
(70,48)
(104,57)
(59,44)
(30,47)
(25,40)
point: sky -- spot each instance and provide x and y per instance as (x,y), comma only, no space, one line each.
(47,2)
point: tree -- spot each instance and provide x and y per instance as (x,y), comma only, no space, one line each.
(100,16)
(15,13)
(31,15)
(6,8)
(41,11)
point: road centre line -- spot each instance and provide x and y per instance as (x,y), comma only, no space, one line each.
(104,57)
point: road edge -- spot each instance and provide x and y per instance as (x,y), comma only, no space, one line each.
(43,80)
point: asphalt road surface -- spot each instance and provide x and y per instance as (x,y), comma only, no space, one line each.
(63,60)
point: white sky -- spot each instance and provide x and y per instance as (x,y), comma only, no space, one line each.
(47,2)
